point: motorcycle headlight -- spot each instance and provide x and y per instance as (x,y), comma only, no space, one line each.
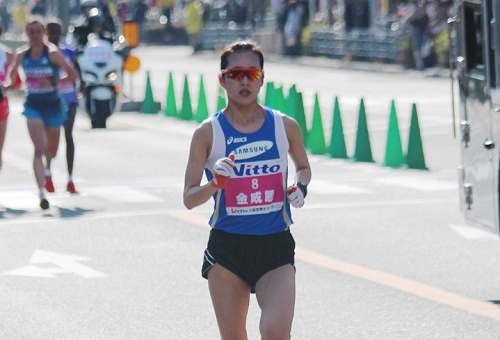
(111,76)
(90,77)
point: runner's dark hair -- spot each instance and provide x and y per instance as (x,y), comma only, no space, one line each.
(54,22)
(240,46)
(35,19)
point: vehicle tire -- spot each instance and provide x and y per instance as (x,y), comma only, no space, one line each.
(102,113)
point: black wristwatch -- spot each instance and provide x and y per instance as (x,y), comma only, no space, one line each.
(302,187)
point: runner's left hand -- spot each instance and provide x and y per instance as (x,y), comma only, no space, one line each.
(295,196)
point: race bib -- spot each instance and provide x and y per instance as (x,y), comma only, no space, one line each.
(256,189)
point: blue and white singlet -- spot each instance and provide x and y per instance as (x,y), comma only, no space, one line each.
(67,89)
(44,99)
(254,201)
(38,70)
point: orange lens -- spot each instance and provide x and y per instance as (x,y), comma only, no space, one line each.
(238,73)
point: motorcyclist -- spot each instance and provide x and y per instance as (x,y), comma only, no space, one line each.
(91,21)
(97,24)
(109,23)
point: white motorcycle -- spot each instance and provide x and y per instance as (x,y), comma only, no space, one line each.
(101,71)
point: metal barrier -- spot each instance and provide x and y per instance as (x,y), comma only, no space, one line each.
(356,44)
(216,35)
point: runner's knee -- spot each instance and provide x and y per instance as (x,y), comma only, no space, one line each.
(52,153)
(274,330)
(39,151)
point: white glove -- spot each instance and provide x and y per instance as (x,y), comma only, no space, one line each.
(224,166)
(295,196)
(223,169)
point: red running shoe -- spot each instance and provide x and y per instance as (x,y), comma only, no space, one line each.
(71,188)
(49,186)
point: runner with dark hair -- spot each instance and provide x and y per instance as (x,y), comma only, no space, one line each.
(244,150)
(43,108)
(67,91)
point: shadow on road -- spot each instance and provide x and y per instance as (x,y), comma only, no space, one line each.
(8,211)
(73,212)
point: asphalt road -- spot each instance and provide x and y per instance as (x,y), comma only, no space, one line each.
(381,253)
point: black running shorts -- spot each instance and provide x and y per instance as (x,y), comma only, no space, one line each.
(248,256)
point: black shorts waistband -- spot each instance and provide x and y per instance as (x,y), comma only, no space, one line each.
(216,232)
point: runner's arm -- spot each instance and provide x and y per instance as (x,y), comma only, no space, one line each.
(10,56)
(57,58)
(13,69)
(297,151)
(194,194)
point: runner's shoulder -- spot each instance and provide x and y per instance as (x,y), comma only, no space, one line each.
(5,48)
(22,50)
(52,48)
(289,122)
(203,132)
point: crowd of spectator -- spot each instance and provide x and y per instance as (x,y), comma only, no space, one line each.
(424,21)
(426,25)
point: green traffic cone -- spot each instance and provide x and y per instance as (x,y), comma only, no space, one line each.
(363,151)
(202,110)
(415,154)
(337,141)
(316,139)
(148,105)
(171,107)
(291,102)
(393,150)
(269,98)
(300,117)
(279,99)
(186,110)
(221,99)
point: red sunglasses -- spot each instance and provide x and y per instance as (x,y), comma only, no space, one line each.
(238,73)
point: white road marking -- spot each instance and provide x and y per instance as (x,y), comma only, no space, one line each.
(122,194)
(470,232)
(207,209)
(158,123)
(417,183)
(26,165)
(29,200)
(377,203)
(62,264)
(321,187)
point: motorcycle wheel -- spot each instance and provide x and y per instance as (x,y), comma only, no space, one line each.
(102,112)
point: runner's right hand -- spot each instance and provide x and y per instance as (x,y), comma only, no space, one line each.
(7,86)
(223,169)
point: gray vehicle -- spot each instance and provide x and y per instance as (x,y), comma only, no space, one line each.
(475,43)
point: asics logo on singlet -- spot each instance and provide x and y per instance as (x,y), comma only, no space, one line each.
(252,149)
(236,140)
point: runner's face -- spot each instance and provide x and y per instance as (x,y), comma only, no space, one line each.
(35,32)
(243,91)
(54,34)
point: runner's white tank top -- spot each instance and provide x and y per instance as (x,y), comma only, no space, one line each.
(254,201)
